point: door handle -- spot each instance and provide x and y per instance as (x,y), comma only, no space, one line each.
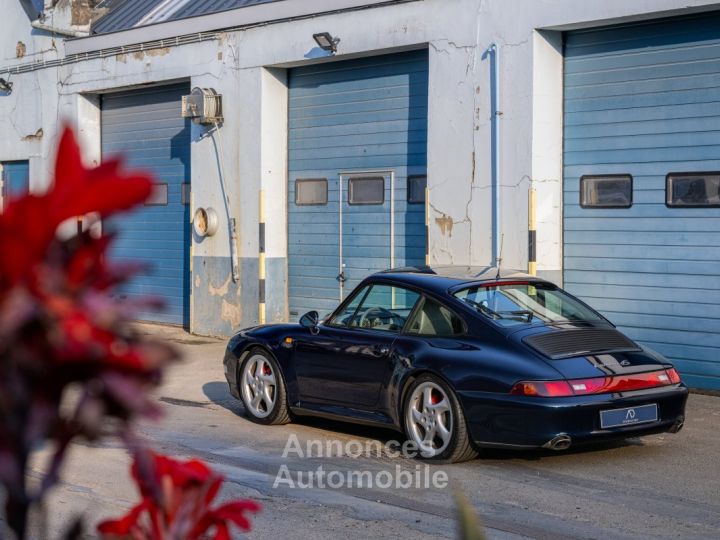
(382,350)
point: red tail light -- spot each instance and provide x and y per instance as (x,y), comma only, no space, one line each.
(542,389)
(597,385)
(674,375)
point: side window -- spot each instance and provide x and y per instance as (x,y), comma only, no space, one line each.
(385,308)
(434,319)
(344,316)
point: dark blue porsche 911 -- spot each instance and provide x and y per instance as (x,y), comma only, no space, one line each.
(459,359)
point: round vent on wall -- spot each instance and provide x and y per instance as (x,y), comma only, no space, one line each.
(205,222)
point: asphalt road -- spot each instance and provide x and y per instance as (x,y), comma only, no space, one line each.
(665,486)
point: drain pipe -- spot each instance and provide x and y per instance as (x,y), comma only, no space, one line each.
(232,223)
(493,51)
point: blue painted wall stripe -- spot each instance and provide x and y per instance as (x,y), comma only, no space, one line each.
(644,99)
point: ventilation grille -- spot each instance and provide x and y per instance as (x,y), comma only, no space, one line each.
(566,343)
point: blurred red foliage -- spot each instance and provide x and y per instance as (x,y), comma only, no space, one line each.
(176,499)
(71,364)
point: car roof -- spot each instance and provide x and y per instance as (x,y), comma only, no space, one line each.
(441,278)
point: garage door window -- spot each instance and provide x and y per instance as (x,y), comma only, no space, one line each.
(185,194)
(368,190)
(311,191)
(607,191)
(692,190)
(159,196)
(416,189)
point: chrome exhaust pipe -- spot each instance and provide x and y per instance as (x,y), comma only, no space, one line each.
(562,441)
(678,425)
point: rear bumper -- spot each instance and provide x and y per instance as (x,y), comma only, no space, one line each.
(528,422)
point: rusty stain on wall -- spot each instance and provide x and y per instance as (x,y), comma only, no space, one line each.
(34,136)
(220,291)
(162,51)
(446,224)
(20,49)
(231,313)
(81,11)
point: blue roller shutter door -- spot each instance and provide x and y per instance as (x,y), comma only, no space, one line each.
(351,117)
(644,100)
(16,179)
(146,127)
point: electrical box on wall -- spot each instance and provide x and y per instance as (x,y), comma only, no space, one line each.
(203,106)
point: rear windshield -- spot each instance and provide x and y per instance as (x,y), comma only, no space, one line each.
(525,303)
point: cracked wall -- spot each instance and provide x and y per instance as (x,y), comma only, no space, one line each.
(33,100)
(250,150)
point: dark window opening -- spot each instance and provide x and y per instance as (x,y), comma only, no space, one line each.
(366,190)
(159,196)
(692,190)
(606,191)
(416,189)
(311,191)
(185,194)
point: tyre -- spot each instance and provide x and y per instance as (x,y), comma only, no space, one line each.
(262,389)
(435,423)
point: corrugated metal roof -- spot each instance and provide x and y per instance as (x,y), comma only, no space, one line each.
(126,14)
(213,6)
(122,14)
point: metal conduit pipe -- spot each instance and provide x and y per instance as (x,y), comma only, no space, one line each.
(493,52)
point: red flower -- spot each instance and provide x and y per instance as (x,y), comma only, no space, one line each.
(29,224)
(176,499)
(60,327)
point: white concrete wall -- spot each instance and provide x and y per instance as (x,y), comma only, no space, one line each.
(253,137)
(34,95)
(547,145)
(274,148)
(273,179)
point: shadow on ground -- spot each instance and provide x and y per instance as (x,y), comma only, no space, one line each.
(218,393)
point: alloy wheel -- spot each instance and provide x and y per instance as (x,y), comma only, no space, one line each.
(429,419)
(259,386)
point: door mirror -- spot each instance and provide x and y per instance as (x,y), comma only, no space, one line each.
(310,320)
